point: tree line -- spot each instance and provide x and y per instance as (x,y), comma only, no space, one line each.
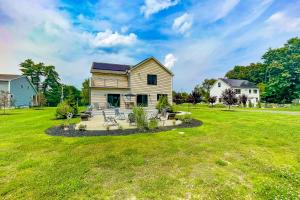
(277,76)
(51,90)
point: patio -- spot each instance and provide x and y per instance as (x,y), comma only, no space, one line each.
(97,121)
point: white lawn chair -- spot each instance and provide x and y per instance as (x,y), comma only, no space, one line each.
(109,121)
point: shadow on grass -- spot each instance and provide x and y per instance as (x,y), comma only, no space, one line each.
(4,114)
(229,110)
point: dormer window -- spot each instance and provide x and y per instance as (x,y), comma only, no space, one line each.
(152,79)
(219,84)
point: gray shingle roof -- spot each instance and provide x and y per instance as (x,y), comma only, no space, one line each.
(8,77)
(110,67)
(239,83)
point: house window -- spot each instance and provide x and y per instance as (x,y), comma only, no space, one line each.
(237,91)
(256,99)
(219,84)
(113,100)
(142,100)
(249,91)
(255,91)
(152,79)
(161,95)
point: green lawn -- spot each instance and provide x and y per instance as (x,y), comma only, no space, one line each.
(234,155)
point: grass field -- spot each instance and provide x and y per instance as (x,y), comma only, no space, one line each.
(234,155)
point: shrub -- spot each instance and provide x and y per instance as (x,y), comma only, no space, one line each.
(162,103)
(140,118)
(212,100)
(82,127)
(153,124)
(243,100)
(259,104)
(250,105)
(187,118)
(63,109)
(74,107)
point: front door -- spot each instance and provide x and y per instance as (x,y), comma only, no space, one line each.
(113,100)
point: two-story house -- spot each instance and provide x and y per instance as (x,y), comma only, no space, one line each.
(20,89)
(126,86)
(239,86)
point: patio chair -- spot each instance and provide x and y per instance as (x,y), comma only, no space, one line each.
(109,121)
(153,114)
(131,118)
(119,115)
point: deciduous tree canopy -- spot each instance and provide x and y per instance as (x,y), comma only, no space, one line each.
(278,76)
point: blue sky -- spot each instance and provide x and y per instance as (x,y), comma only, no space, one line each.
(196,39)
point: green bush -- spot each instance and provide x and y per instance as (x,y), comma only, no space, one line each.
(163,104)
(187,118)
(140,118)
(258,104)
(250,105)
(74,107)
(63,109)
(153,124)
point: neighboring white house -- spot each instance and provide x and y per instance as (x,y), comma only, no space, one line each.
(239,86)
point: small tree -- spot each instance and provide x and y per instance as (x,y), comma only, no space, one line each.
(229,97)
(212,100)
(194,97)
(4,100)
(243,100)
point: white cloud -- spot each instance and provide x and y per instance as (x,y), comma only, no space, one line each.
(48,35)
(225,8)
(111,39)
(280,21)
(183,23)
(170,60)
(154,6)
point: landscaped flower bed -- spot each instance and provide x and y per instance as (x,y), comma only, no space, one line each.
(71,132)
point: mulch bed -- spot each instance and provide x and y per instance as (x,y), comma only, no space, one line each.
(59,131)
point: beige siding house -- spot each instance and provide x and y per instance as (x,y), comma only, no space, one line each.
(126,86)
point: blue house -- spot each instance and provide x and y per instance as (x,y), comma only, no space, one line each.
(20,89)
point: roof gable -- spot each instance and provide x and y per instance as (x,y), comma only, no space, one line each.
(148,59)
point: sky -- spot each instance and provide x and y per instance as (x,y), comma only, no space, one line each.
(196,39)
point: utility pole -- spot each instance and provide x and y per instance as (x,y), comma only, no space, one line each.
(62,93)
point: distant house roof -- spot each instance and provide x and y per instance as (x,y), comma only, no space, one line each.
(110,67)
(239,83)
(8,77)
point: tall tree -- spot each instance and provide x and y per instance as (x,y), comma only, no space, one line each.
(278,76)
(33,71)
(51,77)
(85,92)
(204,88)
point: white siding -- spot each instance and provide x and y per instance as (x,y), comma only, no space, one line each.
(217,91)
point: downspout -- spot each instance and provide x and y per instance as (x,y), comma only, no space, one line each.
(9,92)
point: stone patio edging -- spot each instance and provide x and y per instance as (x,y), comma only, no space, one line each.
(58,131)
